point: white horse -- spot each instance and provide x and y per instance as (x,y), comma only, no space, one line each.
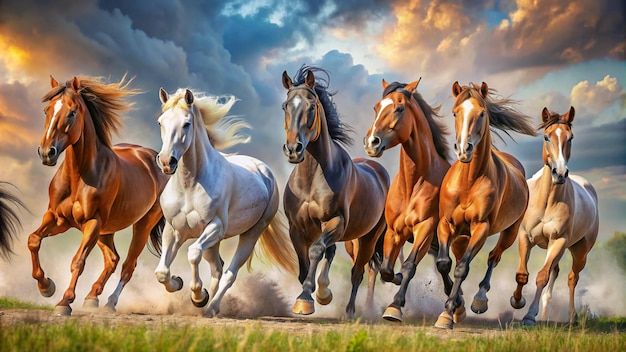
(562,213)
(213,196)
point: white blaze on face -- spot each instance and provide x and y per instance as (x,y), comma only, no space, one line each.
(296,101)
(57,107)
(560,160)
(383,104)
(467,109)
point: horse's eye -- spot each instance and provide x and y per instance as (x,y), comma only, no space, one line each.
(71,115)
(186,125)
(454,114)
(482,113)
(545,138)
(400,108)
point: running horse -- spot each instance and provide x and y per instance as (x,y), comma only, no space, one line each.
(99,188)
(213,196)
(404,118)
(562,213)
(483,193)
(329,196)
(9,221)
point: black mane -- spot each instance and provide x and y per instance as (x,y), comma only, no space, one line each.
(338,131)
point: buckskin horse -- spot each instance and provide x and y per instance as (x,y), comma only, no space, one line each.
(562,213)
(99,188)
(329,197)
(483,193)
(404,118)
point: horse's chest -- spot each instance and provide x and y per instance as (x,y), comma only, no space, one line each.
(187,211)
(548,224)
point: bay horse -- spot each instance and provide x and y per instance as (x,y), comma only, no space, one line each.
(412,207)
(99,188)
(213,196)
(562,213)
(483,193)
(9,221)
(329,197)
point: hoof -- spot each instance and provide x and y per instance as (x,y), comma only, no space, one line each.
(392,313)
(63,311)
(203,301)
(303,307)
(529,321)
(324,300)
(91,303)
(110,308)
(178,285)
(479,305)
(444,321)
(459,314)
(49,291)
(211,312)
(518,304)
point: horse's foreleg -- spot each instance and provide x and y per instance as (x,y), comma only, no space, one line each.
(546,297)
(444,263)
(213,233)
(212,256)
(169,248)
(111,258)
(242,253)
(91,231)
(323,294)
(141,233)
(556,248)
(521,277)
(506,239)
(48,227)
(422,235)
(455,310)
(392,250)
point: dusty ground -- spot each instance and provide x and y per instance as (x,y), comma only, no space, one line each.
(307,325)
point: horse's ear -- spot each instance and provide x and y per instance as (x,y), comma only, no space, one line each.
(188,97)
(569,117)
(411,87)
(163,95)
(75,83)
(385,84)
(545,114)
(287,83)
(53,82)
(484,89)
(456,88)
(310,79)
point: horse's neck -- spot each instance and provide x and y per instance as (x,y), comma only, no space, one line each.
(551,193)
(418,156)
(323,152)
(200,158)
(84,157)
(482,160)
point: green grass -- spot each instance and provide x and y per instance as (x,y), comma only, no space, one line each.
(71,336)
(13,303)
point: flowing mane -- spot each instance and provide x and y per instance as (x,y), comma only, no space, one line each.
(223,131)
(105,102)
(502,116)
(437,128)
(338,131)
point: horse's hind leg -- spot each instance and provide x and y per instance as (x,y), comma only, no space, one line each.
(579,253)
(323,294)
(141,233)
(422,235)
(48,228)
(111,258)
(546,298)
(506,239)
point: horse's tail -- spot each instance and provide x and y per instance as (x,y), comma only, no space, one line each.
(276,244)
(156,234)
(9,221)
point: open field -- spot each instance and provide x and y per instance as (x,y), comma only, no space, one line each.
(27,327)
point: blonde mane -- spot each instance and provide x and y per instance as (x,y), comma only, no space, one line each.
(223,131)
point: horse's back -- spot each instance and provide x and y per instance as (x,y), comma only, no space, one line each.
(375,169)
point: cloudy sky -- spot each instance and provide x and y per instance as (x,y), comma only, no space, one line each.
(553,53)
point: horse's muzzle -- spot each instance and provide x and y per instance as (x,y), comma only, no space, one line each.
(169,166)
(48,156)
(373,146)
(294,152)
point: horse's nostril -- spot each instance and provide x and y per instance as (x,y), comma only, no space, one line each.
(299,147)
(52,152)
(566,173)
(375,141)
(470,147)
(285,149)
(455,147)
(39,151)
(554,170)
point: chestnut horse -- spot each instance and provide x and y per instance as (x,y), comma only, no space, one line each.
(483,193)
(412,207)
(9,221)
(99,188)
(562,213)
(329,197)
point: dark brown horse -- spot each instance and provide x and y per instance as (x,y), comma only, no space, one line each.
(9,221)
(99,188)
(329,196)
(482,194)
(412,208)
